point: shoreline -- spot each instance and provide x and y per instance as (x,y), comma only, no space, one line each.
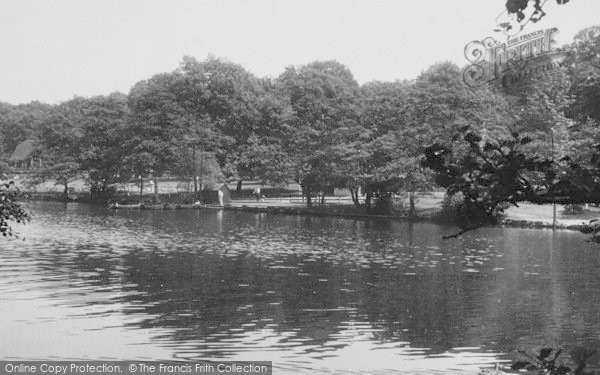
(529,215)
(349,212)
(315,211)
(272,209)
(540,224)
(305,211)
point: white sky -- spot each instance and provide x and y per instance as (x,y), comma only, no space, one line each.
(51,50)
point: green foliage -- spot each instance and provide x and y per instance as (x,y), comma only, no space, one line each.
(542,104)
(223,104)
(519,7)
(101,153)
(583,61)
(401,119)
(201,165)
(58,140)
(546,361)
(315,125)
(20,122)
(579,179)
(324,98)
(10,208)
(549,361)
(265,158)
(452,207)
(488,173)
(152,130)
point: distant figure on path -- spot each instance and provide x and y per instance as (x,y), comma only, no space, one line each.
(257,194)
(220,196)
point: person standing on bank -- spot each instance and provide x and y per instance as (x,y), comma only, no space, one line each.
(220,196)
(257,193)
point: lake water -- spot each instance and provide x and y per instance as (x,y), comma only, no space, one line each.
(312,294)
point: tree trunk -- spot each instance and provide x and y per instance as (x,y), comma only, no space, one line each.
(368,199)
(239,186)
(412,211)
(156,189)
(104,190)
(66,192)
(354,194)
(141,190)
(92,195)
(97,190)
(307,193)
(195,170)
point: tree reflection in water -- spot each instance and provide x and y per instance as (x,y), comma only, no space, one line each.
(217,283)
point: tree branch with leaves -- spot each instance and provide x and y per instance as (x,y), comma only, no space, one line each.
(490,174)
(10,209)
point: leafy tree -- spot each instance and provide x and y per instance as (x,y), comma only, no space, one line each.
(209,169)
(201,168)
(58,140)
(583,61)
(153,131)
(489,174)
(224,97)
(324,98)
(403,118)
(101,151)
(233,93)
(202,107)
(264,158)
(546,362)
(10,208)
(584,136)
(377,153)
(542,104)
(21,122)
(518,8)
(198,137)
(138,165)
(262,155)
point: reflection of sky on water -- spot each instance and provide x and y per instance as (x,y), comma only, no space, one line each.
(307,293)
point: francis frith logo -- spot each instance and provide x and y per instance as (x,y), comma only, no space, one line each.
(508,63)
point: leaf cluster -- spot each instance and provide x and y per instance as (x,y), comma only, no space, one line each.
(10,208)
(489,173)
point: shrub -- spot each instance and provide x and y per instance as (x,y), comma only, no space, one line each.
(452,206)
(573,209)
(384,204)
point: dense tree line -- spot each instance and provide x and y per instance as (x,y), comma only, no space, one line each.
(313,124)
(551,151)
